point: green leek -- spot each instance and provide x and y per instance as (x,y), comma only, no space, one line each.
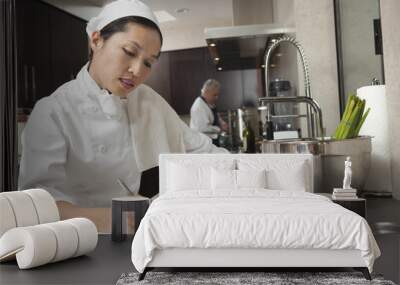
(353,118)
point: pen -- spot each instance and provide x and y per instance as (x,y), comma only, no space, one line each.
(123,186)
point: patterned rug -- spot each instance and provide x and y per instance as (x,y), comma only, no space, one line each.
(244,278)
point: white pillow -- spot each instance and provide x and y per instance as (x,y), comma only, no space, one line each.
(226,179)
(223,179)
(291,179)
(190,173)
(183,178)
(281,173)
(251,178)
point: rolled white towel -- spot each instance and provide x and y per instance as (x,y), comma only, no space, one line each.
(33,246)
(26,208)
(46,207)
(40,244)
(67,240)
(23,208)
(87,235)
(7,218)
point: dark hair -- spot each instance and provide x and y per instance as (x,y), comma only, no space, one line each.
(119,25)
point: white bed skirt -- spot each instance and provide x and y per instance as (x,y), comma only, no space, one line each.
(193,257)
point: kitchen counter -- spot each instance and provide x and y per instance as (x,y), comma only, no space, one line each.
(102,266)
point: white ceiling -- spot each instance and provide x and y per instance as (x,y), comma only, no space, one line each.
(201,12)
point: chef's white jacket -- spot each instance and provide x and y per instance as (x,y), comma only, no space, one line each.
(77,143)
(202,118)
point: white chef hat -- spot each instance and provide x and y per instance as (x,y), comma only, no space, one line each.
(119,9)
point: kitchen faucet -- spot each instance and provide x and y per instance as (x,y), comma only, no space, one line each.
(301,99)
(315,130)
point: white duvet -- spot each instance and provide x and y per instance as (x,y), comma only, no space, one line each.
(253,218)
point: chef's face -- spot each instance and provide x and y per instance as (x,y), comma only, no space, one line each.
(211,95)
(123,61)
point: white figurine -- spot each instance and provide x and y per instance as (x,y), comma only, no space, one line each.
(347,174)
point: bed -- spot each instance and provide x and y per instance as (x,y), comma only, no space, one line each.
(247,210)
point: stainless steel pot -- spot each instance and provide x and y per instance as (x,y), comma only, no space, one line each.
(329,156)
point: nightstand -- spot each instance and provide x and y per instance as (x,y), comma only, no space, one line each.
(137,204)
(358,205)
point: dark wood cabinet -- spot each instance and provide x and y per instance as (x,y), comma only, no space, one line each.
(179,76)
(159,78)
(33,46)
(69,46)
(188,73)
(51,48)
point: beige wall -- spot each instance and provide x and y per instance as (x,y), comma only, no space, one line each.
(188,36)
(283,12)
(315,30)
(251,12)
(390,10)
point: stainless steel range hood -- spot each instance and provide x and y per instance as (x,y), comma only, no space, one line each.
(242,47)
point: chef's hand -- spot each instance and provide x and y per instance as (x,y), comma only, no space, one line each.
(224,126)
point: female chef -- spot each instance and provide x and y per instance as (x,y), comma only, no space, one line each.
(80,139)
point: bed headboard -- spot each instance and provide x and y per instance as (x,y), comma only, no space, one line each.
(212,159)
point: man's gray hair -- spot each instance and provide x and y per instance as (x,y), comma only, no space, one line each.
(210,84)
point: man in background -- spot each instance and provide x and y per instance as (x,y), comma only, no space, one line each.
(203,114)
